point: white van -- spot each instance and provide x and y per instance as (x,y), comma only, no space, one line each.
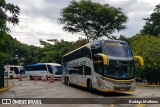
(12,71)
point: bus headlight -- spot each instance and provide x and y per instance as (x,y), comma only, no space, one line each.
(133,82)
(108,83)
(103,79)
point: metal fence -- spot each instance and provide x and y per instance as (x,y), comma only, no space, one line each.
(1,76)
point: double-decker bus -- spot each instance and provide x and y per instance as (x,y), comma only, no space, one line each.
(104,65)
(43,69)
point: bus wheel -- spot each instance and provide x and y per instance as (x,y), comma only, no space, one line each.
(11,77)
(30,77)
(68,83)
(89,86)
(65,80)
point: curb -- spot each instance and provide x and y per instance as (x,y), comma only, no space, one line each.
(4,89)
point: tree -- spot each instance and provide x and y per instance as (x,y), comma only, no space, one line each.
(92,19)
(152,25)
(6,41)
(148,47)
(14,12)
(79,43)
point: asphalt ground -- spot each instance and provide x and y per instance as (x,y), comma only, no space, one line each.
(40,89)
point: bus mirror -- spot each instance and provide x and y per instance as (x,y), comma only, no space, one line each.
(104,57)
(95,46)
(141,61)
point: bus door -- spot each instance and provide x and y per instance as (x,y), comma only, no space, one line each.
(49,71)
(98,68)
(97,61)
(86,73)
(73,75)
(80,75)
(16,70)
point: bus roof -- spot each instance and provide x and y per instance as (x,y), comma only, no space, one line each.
(90,43)
(55,64)
(12,66)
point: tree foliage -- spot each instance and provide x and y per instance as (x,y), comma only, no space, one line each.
(12,18)
(92,19)
(149,48)
(152,25)
(54,53)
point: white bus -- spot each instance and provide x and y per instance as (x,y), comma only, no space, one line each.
(105,65)
(43,69)
(13,71)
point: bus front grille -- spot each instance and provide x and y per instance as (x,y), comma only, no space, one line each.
(120,88)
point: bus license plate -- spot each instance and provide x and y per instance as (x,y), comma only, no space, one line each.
(122,89)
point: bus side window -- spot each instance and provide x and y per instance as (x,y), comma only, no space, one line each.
(87,70)
(11,69)
(80,68)
(50,69)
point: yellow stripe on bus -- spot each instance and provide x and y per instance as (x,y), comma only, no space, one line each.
(82,85)
(118,80)
(103,90)
(105,59)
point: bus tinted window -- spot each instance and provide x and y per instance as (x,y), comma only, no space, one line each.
(83,52)
(16,70)
(59,70)
(87,70)
(11,68)
(96,48)
(50,69)
(116,48)
(76,70)
(36,68)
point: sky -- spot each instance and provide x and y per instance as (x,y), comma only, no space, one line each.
(39,19)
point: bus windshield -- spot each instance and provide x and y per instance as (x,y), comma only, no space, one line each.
(21,70)
(116,48)
(119,71)
(58,70)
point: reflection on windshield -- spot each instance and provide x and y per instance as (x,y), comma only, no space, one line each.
(119,71)
(118,49)
(55,69)
(58,70)
(20,68)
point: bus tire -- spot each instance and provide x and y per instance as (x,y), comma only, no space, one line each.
(11,77)
(89,86)
(68,83)
(31,78)
(65,80)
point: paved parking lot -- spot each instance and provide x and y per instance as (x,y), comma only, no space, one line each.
(40,89)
